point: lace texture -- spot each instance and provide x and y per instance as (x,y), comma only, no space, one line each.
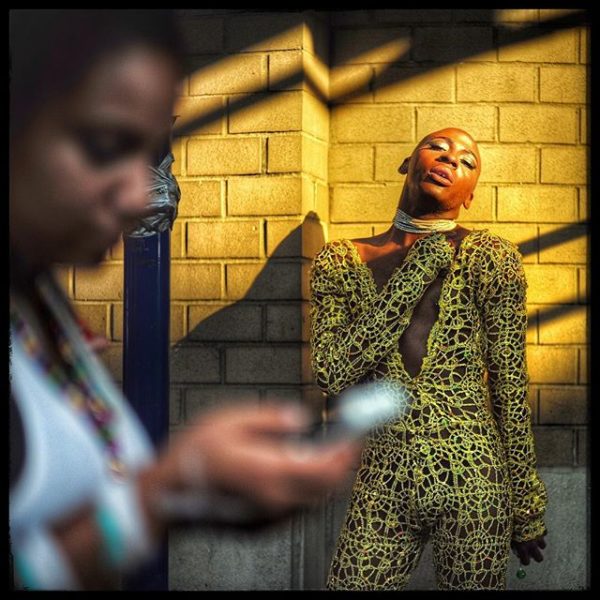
(458,465)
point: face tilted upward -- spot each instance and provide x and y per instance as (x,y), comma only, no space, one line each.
(443,170)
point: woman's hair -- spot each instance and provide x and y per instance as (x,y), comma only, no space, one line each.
(51,51)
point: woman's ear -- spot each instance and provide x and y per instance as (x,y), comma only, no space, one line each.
(468,201)
(403,168)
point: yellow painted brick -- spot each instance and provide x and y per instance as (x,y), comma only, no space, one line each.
(284,154)
(364,204)
(551,284)
(322,201)
(195,282)
(439,44)
(479,121)
(352,46)
(225,322)
(337,232)
(266,31)
(265,195)
(582,278)
(95,316)
(532,333)
(482,206)
(226,156)
(274,280)
(220,239)
(350,162)
(517,15)
(277,111)
(495,83)
(538,123)
(64,277)
(284,238)
(569,244)
(388,158)
(564,83)
(584,45)
(564,405)
(235,74)
(315,117)
(510,164)
(177,240)
(188,109)
(564,164)
(537,203)
(556,47)
(568,325)
(315,157)
(583,205)
(414,84)
(178,150)
(298,70)
(351,83)
(584,125)
(201,36)
(104,282)
(524,235)
(358,123)
(199,199)
(552,364)
(583,365)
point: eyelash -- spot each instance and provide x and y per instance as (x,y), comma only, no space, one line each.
(437,147)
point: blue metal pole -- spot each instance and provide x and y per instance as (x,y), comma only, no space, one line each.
(146,358)
(146,332)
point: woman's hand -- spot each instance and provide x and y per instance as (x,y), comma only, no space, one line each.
(528,550)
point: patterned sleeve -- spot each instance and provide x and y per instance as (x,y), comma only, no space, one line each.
(505,322)
(345,348)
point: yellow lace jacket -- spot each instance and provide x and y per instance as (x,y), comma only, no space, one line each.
(475,357)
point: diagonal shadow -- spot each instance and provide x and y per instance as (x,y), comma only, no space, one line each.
(448,53)
(246,323)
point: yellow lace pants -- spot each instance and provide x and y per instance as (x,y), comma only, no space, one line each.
(447,485)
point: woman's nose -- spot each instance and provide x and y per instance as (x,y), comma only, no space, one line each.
(134,194)
(449,157)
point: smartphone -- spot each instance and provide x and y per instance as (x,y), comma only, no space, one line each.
(360,409)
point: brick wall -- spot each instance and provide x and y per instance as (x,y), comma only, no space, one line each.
(313,114)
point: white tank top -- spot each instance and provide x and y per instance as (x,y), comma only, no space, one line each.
(65,462)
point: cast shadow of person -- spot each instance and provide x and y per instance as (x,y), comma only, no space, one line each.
(255,346)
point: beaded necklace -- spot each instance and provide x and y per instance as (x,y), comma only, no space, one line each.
(75,381)
(406,222)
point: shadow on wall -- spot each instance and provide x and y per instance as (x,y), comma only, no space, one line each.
(269,26)
(253,345)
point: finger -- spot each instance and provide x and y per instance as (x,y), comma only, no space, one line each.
(523,555)
(537,554)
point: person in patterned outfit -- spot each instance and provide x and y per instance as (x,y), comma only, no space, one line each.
(439,311)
